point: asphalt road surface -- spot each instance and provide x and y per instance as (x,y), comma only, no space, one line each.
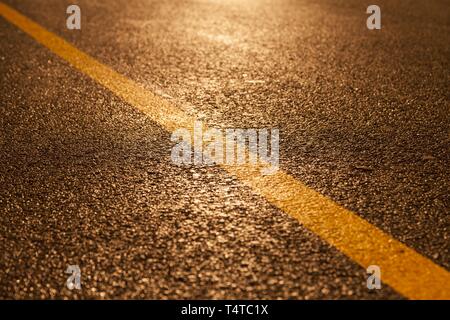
(87,179)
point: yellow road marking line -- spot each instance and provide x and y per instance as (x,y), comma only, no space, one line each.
(402,268)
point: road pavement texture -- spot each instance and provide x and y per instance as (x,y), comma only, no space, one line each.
(87,179)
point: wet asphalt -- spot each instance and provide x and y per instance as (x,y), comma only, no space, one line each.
(86,179)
